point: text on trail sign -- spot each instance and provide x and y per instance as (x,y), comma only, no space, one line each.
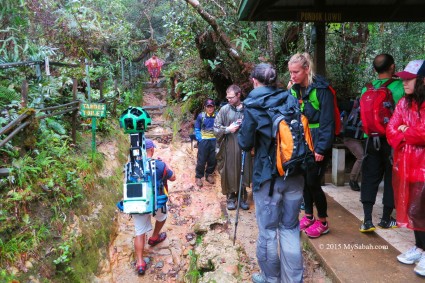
(93,110)
(319,17)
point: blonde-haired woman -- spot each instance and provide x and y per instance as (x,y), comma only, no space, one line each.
(316,101)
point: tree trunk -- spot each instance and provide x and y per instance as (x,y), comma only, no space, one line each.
(270,41)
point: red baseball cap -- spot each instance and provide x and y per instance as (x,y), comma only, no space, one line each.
(413,69)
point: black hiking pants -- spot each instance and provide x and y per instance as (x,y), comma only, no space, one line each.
(419,239)
(376,165)
(313,192)
(206,162)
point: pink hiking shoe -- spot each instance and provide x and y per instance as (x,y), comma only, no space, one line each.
(305,223)
(317,229)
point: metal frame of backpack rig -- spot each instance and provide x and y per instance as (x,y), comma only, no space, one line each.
(140,172)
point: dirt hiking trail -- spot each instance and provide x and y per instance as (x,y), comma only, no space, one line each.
(198,222)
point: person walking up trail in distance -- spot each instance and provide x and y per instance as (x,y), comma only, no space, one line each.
(154,65)
(276,211)
(226,126)
(317,105)
(406,135)
(142,222)
(204,133)
(377,161)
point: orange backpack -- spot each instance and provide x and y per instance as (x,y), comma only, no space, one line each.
(294,144)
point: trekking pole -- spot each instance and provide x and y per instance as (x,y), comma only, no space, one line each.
(239,195)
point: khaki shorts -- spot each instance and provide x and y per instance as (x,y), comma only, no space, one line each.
(142,222)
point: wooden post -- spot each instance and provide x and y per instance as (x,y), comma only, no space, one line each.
(24,93)
(116,98)
(101,80)
(74,113)
(130,77)
(319,51)
(87,79)
(338,165)
(122,72)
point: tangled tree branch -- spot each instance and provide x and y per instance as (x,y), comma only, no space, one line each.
(224,40)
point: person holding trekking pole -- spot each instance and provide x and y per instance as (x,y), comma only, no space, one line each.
(239,195)
(226,126)
(276,205)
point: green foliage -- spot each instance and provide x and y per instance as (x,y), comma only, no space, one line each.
(8,97)
(213,64)
(56,126)
(351,48)
(193,274)
(64,254)
(247,35)
(197,87)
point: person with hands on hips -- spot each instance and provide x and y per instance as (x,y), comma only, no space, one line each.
(204,132)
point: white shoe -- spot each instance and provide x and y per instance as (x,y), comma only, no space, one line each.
(420,267)
(411,256)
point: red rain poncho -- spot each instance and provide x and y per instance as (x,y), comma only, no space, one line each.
(409,164)
(154,67)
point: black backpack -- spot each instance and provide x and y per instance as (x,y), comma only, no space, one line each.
(352,124)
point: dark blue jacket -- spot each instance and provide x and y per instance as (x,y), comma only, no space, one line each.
(256,130)
(204,126)
(323,136)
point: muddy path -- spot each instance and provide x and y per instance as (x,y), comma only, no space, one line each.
(198,223)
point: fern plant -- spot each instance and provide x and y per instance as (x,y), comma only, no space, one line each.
(8,97)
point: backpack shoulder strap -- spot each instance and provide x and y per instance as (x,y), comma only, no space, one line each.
(203,115)
(370,86)
(387,83)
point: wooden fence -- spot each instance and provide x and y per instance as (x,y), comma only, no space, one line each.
(18,124)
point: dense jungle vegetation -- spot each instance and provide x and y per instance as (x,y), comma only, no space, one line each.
(205,49)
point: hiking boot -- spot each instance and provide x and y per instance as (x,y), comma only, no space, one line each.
(305,222)
(231,204)
(386,224)
(412,255)
(420,267)
(354,185)
(198,182)
(210,179)
(317,229)
(244,205)
(367,226)
(258,278)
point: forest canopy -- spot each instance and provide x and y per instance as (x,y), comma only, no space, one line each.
(202,41)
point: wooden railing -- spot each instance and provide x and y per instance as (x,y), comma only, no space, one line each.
(17,125)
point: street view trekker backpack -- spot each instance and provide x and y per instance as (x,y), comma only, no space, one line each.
(376,109)
(294,144)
